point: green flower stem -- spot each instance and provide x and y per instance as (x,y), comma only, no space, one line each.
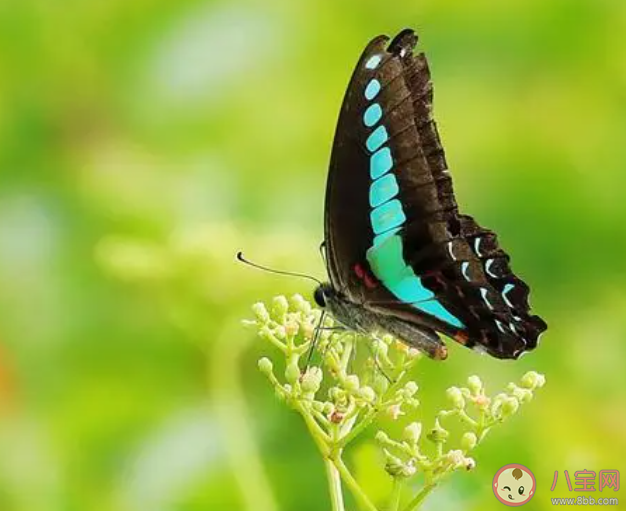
(279,344)
(352,484)
(481,428)
(321,419)
(467,419)
(418,499)
(358,429)
(371,416)
(347,352)
(319,435)
(396,494)
(334,486)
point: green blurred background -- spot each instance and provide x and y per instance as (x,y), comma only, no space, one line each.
(143,142)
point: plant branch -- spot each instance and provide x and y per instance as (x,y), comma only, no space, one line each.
(334,486)
(352,484)
(396,494)
(417,500)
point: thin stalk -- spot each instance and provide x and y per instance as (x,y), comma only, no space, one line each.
(370,417)
(334,486)
(417,500)
(364,424)
(396,495)
(319,435)
(352,484)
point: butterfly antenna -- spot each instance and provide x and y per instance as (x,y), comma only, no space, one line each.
(241,258)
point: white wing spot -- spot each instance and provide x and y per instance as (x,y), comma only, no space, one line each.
(450,251)
(500,326)
(483,292)
(464,268)
(488,268)
(477,247)
(506,289)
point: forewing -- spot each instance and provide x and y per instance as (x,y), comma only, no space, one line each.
(395,239)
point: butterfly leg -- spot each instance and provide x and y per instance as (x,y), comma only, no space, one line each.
(318,330)
(421,338)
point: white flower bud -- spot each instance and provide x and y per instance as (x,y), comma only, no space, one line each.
(395,411)
(509,406)
(312,379)
(469,441)
(367,394)
(533,380)
(266,366)
(300,304)
(382,437)
(475,385)
(413,432)
(410,389)
(260,311)
(456,458)
(291,328)
(455,396)
(280,306)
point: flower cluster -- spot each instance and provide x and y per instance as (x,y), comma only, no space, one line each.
(347,392)
(476,412)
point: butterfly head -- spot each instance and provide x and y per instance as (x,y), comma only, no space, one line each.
(322,294)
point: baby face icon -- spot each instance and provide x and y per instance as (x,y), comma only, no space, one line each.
(514,485)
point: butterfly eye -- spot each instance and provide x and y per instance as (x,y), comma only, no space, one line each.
(319,297)
(521,490)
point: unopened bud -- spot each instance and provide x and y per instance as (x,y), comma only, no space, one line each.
(468,441)
(382,437)
(395,411)
(291,328)
(260,311)
(367,394)
(300,304)
(266,366)
(455,396)
(533,380)
(413,432)
(312,379)
(509,406)
(280,306)
(410,389)
(475,385)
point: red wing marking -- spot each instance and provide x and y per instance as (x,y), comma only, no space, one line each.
(364,275)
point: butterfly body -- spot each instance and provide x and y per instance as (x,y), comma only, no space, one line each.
(364,318)
(400,256)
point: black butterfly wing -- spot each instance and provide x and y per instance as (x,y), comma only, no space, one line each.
(394,237)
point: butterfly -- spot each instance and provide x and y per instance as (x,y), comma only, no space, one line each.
(400,256)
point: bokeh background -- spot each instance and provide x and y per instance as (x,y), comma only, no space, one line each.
(144,142)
